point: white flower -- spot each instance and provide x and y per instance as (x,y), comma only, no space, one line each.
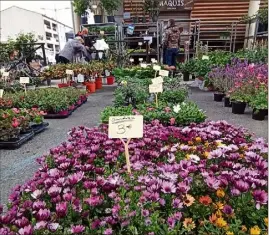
(176,108)
(194,158)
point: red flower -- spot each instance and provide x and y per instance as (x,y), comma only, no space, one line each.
(206,200)
(172,121)
(15,123)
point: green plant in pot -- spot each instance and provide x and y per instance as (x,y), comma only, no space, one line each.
(259,103)
(186,68)
(239,99)
(202,67)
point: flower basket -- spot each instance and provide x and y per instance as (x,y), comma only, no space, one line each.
(91,87)
(110,80)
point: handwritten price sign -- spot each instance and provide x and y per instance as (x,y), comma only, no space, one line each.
(69,72)
(157,80)
(24,80)
(125,127)
(164,73)
(156,67)
(156,88)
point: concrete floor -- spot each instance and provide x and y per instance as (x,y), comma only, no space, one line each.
(216,111)
(16,166)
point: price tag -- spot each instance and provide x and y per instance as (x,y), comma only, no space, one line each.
(140,44)
(157,80)
(2,71)
(69,72)
(24,80)
(164,73)
(156,67)
(80,78)
(125,127)
(102,32)
(156,88)
(1,93)
(131,60)
(5,74)
(205,57)
(107,73)
(143,65)
(140,59)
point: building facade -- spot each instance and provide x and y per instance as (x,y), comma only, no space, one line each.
(15,20)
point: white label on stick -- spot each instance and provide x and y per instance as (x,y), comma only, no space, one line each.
(24,80)
(143,65)
(205,57)
(157,67)
(131,60)
(157,80)
(1,93)
(5,74)
(156,88)
(125,127)
(107,73)
(102,32)
(140,59)
(164,73)
(80,78)
(69,72)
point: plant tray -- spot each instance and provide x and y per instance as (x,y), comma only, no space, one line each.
(13,144)
(57,116)
(39,128)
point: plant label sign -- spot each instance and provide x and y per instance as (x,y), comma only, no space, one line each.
(157,80)
(164,73)
(125,127)
(156,67)
(1,93)
(107,73)
(131,60)
(24,80)
(156,88)
(205,57)
(102,32)
(140,59)
(5,74)
(143,65)
(69,72)
(80,78)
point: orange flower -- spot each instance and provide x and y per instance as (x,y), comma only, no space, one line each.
(218,206)
(206,154)
(198,139)
(206,200)
(206,144)
(266,221)
(189,200)
(213,218)
(220,193)
(255,230)
(188,224)
(219,213)
(244,228)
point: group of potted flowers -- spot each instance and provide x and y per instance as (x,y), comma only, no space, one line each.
(240,84)
(49,100)
(132,97)
(15,121)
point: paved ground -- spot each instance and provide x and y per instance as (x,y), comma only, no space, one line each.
(16,166)
(217,111)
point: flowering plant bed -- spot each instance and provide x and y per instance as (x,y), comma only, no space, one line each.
(50,100)
(208,178)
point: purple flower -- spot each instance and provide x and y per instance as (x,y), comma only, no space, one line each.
(108,231)
(22,222)
(94,200)
(242,186)
(171,222)
(43,214)
(228,210)
(147,221)
(40,225)
(27,230)
(177,203)
(168,187)
(77,229)
(261,198)
(145,213)
(54,191)
(61,209)
(75,178)
(39,205)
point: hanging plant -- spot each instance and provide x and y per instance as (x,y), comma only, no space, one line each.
(110,5)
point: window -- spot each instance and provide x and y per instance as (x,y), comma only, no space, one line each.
(54,27)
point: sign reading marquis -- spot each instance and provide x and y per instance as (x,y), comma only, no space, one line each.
(173,5)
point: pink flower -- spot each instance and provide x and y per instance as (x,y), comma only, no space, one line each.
(172,121)
(40,225)
(94,201)
(75,178)
(167,110)
(15,123)
(261,198)
(43,214)
(168,187)
(108,231)
(15,110)
(54,191)
(77,229)
(28,230)
(61,209)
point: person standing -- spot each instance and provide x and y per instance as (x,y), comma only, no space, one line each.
(172,42)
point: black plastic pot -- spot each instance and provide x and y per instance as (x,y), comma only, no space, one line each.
(258,115)
(265,112)
(227,102)
(218,97)
(193,77)
(98,19)
(186,76)
(110,19)
(238,107)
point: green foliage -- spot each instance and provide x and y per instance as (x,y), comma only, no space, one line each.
(110,5)
(202,67)
(173,96)
(219,57)
(259,55)
(80,6)
(188,66)
(260,100)
(110,111)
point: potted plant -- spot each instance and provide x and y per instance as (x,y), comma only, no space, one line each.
(259,103)
(186,68)
(239,100)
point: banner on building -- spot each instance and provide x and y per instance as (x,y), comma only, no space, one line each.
(176,5)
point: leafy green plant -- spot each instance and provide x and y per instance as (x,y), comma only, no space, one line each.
(202,67)
(188,66)
(260,100)
(173,96)
(110,111)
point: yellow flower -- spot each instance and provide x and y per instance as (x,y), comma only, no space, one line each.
(229,233)
(189,200)
(219,213)
(266,221)
(193,148)
(241,155)
(219,206)
(220,222)
(244,228)
(198,139)
(206,144)
(220,193)
(206,154)
(188,224)
(188,156)
(255,230)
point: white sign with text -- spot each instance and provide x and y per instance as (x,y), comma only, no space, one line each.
(156,88)
(69,72)
(157,80)
(1,93)
(24,80)
(164,73)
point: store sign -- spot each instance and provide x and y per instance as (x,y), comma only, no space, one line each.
(175,5)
